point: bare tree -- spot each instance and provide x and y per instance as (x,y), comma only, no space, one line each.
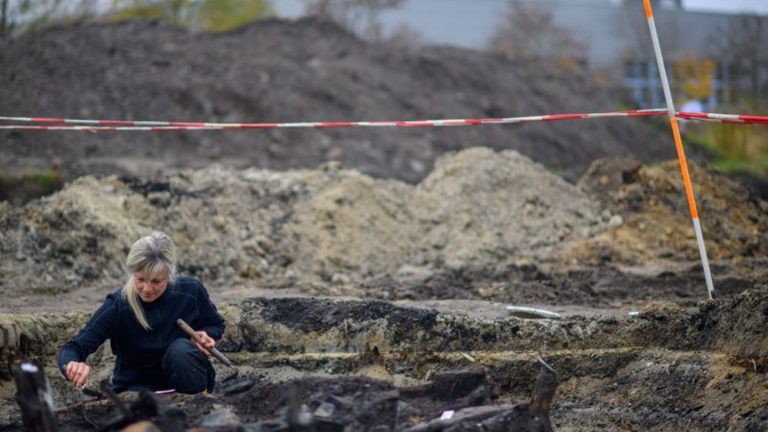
(206,15)
(529,32)
(4,21)
(29,14)
(26,15)
(631,27)
(743,45)
(359,16)
(404,37)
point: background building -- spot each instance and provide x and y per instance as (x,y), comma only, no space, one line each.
(701,49)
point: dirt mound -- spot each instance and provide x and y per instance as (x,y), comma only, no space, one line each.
(482,225)
(478,208)
(653,221)
(286,71)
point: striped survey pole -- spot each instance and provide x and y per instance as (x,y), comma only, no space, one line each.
(680,152)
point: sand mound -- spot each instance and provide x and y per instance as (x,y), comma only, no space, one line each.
(478,208)
(483,225)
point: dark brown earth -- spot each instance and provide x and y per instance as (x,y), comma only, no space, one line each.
(667,368)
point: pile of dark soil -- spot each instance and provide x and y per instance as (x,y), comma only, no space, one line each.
(286,71)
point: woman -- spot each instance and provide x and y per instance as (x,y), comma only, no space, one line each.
(152,352)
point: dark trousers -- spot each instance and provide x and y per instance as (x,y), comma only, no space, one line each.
(186,369)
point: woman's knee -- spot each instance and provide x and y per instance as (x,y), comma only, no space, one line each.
(180,349)
(186,368)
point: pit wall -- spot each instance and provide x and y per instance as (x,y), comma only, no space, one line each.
(737,327)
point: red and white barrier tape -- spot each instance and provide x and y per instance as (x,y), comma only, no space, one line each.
(129,125)
(64,124)
(724,118)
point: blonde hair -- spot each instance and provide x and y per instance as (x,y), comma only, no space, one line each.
(154,253)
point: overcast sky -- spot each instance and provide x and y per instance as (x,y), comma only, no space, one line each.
(760,6)
(470,22)
(294,7)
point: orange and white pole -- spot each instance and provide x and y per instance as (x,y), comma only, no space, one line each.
(680,153)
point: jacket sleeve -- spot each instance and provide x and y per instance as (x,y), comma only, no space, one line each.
(101,326)
(208,318)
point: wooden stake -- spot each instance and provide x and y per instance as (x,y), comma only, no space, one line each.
(33,394)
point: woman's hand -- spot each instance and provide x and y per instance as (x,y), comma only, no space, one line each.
(208,342)
(77,372)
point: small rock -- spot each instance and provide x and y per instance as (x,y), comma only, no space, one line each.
(340,279)
(223,418)
(325,410)
(615,221)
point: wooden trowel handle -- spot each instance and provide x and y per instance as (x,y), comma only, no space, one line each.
(216,353)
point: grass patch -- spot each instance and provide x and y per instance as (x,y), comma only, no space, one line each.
(20,189)
(736,148)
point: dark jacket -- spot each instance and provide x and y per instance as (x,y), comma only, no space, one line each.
(138,351)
